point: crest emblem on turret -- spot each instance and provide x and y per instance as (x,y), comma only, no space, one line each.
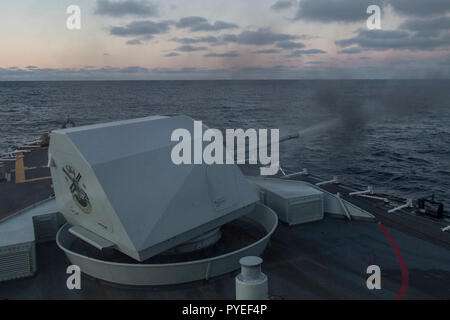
(77,189)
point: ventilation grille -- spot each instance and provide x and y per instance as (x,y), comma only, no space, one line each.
(16,262)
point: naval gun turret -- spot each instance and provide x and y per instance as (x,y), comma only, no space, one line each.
(117,187)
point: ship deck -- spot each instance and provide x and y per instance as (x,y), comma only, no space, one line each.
(321,260)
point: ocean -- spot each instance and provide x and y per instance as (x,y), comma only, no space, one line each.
(391,134)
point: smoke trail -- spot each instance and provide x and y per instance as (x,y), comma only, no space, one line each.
(359,104)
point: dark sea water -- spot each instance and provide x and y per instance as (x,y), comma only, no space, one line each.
(394,135)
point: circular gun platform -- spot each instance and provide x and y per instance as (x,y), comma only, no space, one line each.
(247,236)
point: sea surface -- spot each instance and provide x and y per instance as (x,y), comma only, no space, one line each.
(393,135)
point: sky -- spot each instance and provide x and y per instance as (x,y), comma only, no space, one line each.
(231,39)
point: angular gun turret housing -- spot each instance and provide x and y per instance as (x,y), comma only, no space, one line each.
(116,184)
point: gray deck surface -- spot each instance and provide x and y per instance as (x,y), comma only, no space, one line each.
(19,229)
(321,260)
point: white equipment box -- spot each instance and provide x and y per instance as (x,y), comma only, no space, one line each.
(19,235)
(295,202)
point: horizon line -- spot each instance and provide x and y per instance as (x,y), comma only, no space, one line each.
(255,79)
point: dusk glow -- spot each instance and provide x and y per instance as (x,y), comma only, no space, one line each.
(250,39)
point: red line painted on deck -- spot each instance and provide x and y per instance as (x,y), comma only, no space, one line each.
(405,275)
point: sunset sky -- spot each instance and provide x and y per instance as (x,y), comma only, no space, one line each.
(231,39)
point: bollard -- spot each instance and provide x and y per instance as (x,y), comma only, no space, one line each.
(251,283)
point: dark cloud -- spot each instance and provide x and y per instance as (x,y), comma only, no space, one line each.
(283,5)
(381,40)
(172,54)
(261,37)
(298,53)
(201,24)
(189,22)
(141,8)
(349,11)
(289,45)
(420,8)
(230,38)
(365,58)
(267,51)
(334,10)
(141,28)
(230,54)
(219,25)
(208,39)
(146,29)
(189,48)
(429,27)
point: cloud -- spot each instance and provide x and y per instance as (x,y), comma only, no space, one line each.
(414,69)
(289,45)
(189,48)
(140,8)
(420,7)
(141,28)
(146,29)
(261,37)
(189,22)
(381,40)
(134,42)
(133,69)
(172,54)
(230,54)
(208,39)
(349,11)
(334,10)
(104,73)
(298,53)
(427,28)
(267,51)
(283,5)
(195,24)
(186,70)
(351,50)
